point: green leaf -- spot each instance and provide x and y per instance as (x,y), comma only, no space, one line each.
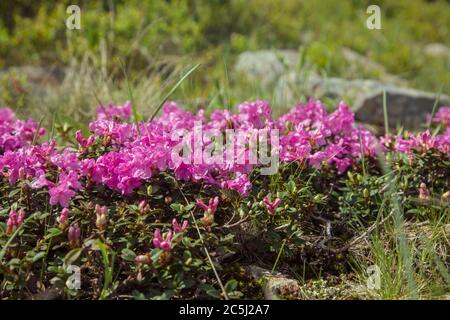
(14,261)
(53,232)
(138,295)
(291,187)
(187,74)
(128,254)
(155,254)
(72,256)
(39,256)
(12,193)
(210,290)
(176,207)
(231,285)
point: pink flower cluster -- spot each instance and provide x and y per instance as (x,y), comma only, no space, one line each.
(422,142)
(112,112)
(426,140)
(314,135)
(163,243)
(128,154)
(16,133)
(442,117)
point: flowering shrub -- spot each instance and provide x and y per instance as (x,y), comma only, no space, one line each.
(16,133)
(123,155)
(119,202)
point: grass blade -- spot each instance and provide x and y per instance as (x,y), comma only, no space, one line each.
(363,163)
(278,256)
(386,119)
(399,225)
(36,134)
(175,87)
(136,116)
(219,281)
(436,102)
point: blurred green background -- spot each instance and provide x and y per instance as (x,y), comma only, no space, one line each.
(139,48)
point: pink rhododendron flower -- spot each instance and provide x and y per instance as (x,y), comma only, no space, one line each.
(21,216)
(163,243)
(271,205)
(143,207)
(65,189)
(14,133)
(128,157)
(112,112)
(84,143)
(178,228)
(211,207)
(442,117)
(240,184)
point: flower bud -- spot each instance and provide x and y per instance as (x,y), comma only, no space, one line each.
(21,217)
(63,217)
(143,207)
(424,193)
(143,259)
(73,235)
(102,217)
(14,221)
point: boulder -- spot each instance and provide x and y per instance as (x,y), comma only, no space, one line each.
(358,62)
(406,107)
(265,66)
(276,286)
(437,50)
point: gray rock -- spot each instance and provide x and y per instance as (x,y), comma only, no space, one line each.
(275,284)
(437,50)
(405,107)
(265,66)
(358,62)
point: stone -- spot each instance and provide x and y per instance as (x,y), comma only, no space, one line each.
(276,286)
(358,62)
(437,50)
(406,108)
(265,66)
